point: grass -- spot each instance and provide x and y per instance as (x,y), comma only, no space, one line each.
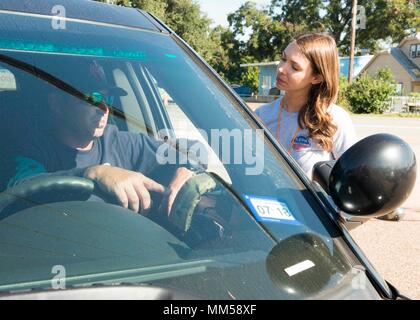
(378,115)
(388,115)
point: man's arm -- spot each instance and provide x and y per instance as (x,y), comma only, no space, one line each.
(130,188)
(130,183)
(27,169)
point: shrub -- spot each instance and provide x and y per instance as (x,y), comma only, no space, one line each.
(342,99)
(371,94)
(250,78)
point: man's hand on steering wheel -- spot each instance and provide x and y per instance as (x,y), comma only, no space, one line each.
(132,189)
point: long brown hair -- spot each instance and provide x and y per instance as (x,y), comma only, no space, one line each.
(321,50)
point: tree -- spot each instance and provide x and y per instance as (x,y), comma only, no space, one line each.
(261,34)
(267,36)
(384,19)
(156,7)
(125,3)
(342,98)
(306,13)
(186,19)
(182,16)
(387,19)
(220,46)
(252,36)
(250,78)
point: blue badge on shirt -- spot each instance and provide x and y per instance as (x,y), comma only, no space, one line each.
(301,143)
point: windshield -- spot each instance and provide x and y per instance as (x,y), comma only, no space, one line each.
(243,226)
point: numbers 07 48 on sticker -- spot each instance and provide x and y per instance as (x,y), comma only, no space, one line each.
(270,209)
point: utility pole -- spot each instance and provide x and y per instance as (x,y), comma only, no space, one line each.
(353,39)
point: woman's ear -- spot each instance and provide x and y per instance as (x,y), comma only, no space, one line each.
(317,79)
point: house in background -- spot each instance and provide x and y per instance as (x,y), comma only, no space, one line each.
(404,63)
(268,71)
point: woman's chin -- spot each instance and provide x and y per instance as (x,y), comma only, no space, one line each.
(280,85)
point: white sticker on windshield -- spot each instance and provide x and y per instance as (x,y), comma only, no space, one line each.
(7,80)
(270,209)
(300,267)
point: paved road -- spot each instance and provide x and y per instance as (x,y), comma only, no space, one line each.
(406,128)
(393,247)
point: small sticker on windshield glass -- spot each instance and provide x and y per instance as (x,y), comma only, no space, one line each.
(299,267)
(270,210)
(7,80)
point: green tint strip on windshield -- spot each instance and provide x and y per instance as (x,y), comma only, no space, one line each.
(53,48)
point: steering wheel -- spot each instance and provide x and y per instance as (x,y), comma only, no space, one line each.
(48,189)
(45,189)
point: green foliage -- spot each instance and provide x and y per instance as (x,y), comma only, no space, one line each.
(342,99)
(157,7)
(125,3)
(292,11)
(384,19)
(250,78)
(271,29)
(260,34)
(370,95)
(185,18)
(217,51)
(253,36)
(268,36)
(385,75)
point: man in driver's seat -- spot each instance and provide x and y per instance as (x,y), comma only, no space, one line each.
(78,142)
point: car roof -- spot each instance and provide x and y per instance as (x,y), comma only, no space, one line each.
(85,10)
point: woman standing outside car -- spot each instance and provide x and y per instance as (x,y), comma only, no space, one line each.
(306,119)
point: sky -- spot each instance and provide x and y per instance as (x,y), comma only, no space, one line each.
(217,10)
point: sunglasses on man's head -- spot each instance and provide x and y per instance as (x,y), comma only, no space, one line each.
(99,99)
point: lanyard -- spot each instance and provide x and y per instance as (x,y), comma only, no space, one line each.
(279,123)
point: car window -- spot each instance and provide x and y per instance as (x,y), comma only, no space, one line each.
(245,224)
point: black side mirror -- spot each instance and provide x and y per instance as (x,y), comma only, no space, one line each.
(373,177)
